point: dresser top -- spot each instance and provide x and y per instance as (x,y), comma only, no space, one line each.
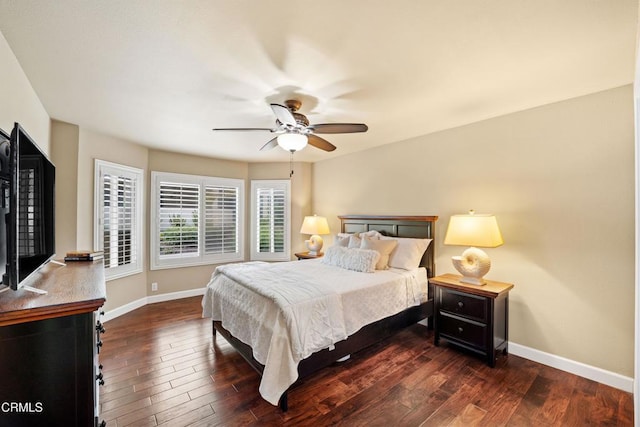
(78,287)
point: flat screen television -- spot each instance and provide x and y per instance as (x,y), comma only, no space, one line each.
(29,205)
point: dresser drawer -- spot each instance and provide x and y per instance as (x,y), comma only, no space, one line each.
(471,306)
(462,330)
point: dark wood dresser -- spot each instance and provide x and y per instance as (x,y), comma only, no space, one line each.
(49,344)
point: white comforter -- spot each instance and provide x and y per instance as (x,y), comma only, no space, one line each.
(287,311)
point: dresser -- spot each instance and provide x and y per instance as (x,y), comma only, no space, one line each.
(473,317)
(49,348)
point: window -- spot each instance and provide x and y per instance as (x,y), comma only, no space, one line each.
(197,220)
(118,218)
(270,220)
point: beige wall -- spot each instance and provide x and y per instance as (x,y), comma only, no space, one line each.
(560,179)
(64,153)
(19,101)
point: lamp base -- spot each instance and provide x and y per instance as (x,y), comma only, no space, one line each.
(473,281)
(473,265)
(314,244)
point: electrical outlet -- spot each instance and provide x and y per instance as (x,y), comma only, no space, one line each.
(154,286)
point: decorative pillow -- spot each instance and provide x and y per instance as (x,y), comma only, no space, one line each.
(363,260)
(354,241)
(371,234)
(408,253)
(341,241)
(384,247)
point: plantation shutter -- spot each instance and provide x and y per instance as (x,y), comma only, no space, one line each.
(270,219)
(221,216)
(178,219)
(118,225)
(119,196)
(198,220)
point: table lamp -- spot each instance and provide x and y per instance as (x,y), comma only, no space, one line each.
(473,230)
(314,225)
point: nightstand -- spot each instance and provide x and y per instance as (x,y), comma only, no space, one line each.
(306,255)
(471,316)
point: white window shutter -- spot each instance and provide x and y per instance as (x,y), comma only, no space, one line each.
(198,220)
(119,218)
(270,220)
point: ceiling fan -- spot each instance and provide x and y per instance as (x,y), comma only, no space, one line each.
(295,132)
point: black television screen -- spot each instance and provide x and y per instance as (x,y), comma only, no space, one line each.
(30,221)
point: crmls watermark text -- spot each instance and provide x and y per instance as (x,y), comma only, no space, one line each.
(21,407)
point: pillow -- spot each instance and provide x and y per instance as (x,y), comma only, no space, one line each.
(341,241)
(384,247)
(355,239)
(363,260)
(408,253)
(371,234)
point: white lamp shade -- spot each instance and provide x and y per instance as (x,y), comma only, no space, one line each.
(477,230)
(292,141)
(315,225)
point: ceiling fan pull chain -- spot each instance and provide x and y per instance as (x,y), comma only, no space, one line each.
(291,164)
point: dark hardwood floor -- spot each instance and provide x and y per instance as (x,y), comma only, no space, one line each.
(162,367)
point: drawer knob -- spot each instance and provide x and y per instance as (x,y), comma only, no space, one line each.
(460,304)
(460,329)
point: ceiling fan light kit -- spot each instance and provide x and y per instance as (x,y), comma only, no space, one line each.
(295,132)
(292,141)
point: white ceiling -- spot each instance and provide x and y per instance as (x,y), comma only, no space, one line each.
(164,72)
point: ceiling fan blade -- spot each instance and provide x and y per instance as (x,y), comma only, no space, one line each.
(339,128)
(244,129)
(320,143)
(283,114)
(269,145)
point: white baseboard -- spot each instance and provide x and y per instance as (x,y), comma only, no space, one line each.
(175,295)
(577,368)
(117,312)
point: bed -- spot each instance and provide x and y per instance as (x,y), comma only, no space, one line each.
(240,300)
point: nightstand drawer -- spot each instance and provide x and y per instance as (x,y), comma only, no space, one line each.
(471,306)
(472,333)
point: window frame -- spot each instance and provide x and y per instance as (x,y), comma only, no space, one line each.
(102,167)
(270,256)
(159,263)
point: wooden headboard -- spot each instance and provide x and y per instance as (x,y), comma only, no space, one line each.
(422,227)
